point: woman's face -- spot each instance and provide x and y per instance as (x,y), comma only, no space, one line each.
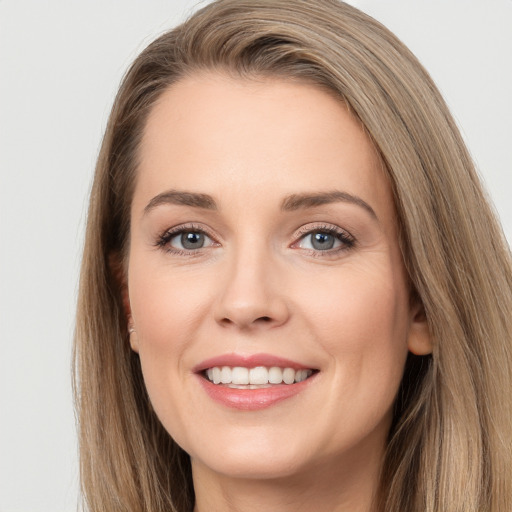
(263,235)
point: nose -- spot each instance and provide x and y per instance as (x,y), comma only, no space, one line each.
(252,295)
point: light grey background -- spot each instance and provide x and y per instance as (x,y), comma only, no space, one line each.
(60,64)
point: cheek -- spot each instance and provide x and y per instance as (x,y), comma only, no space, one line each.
(167,308)
(362,323)
(165,305)
(166,313)
(358,301)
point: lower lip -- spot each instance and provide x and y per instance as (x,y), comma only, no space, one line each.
(252,399)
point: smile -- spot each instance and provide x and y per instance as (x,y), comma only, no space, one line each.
(240,377)
(253,382)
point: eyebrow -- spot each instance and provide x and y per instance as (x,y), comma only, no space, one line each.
(193,199)
(291,203)
(304,201)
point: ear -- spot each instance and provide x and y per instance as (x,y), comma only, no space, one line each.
(134,339)
(419,341)
(119,274)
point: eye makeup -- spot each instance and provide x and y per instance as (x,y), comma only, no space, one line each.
(186,236)
(322,239)
(316,239)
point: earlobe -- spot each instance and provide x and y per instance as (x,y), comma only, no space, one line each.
(419,341)
(132,333)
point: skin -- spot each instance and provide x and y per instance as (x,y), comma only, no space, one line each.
(259,286)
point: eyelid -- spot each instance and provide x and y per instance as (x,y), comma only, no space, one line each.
(168,234)
(312,227)
(346,238)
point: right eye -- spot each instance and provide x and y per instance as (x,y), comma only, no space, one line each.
(185,240)
(189,240)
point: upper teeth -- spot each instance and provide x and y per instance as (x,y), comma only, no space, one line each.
(258,375)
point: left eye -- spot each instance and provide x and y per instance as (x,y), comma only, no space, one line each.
(320,241)
(190,240)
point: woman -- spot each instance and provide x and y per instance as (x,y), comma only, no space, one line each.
(293,293)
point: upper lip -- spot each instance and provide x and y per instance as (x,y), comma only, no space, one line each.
(249,361)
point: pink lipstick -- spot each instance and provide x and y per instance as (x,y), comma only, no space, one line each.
(253,382)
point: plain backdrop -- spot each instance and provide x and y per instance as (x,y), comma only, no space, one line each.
(60,65)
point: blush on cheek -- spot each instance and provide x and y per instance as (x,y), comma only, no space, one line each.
(358,315)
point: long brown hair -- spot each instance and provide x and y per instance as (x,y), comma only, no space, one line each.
(450,447)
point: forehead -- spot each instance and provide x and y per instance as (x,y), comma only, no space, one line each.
(215,134)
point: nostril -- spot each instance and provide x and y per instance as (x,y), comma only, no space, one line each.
(265,319)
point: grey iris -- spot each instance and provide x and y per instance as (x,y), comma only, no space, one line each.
(192,240)
(322,241)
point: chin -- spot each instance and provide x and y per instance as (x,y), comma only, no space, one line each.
(260,467)
(255,457)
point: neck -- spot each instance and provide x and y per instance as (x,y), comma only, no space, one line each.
(324,488)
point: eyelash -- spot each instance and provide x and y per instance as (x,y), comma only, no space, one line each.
(347,240)
(165,238)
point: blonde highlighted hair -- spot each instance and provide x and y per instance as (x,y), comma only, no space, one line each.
(450,447)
